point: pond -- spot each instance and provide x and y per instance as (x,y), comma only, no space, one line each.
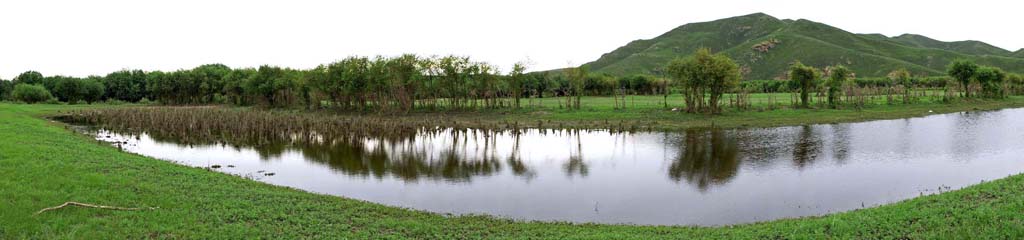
(696,177)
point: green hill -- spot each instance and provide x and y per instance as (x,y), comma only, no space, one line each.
(965,47)
(764,46)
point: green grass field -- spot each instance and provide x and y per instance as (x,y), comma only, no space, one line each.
(43,164)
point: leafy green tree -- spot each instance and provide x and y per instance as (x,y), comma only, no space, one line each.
(377,84)
(209,80)
(639,84)
(704,74)
(838,77)
(991,80)
(404,80)
(901,77)
(29,77)
(127,85)
(161,88)
(517,77)
(69,90)
(324,82)
(536,83)
(30,93)
(353,75)
(1015,83)
(684,74)
(5,89)
(722,75)
(51,82)
(453,71)
(271,85)
(577,77)
(316,79)
(234,85)
(806,78)
(92,89)
(963,71)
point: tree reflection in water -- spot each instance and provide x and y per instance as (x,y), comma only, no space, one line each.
(575,164)
(515,160)
(705,159)
(702,158)
(806,148)
(412,159)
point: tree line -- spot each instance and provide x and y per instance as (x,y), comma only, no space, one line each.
(703,78)
(401,83)
(407,82)
(965,78)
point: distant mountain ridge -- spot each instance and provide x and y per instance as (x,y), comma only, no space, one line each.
(765,46)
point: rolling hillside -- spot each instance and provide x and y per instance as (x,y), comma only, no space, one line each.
(764,46)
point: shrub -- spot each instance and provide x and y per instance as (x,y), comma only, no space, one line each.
(31,93)
(806,78)
(5,89)
(991,80)
(92,90)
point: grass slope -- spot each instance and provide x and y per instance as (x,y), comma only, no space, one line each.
(43,164)
(966,47)
(813,43)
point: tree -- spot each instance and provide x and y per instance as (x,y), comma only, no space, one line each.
(30,93)
(319,86)
(234,85)
(963,71)
(806,79)
(5,89)
(516,79)
(991,80)
(92,89)
(29,77)
(577,77)
(837,78)
(50,83)
(723,75)
(69,90)
(209,82)
(265,84)
(684,72)
(127,85)
(1016,83)
(161,87)
(352,75)
(404,78)
(901,77)
(704,74)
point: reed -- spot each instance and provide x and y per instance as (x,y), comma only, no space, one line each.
(247,126)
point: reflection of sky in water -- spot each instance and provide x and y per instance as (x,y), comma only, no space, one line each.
(693,177)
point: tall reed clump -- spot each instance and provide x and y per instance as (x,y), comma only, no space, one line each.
(216,124)
(237,126)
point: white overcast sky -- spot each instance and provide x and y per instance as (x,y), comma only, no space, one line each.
(81,38)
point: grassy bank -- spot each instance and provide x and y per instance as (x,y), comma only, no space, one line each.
(42,164)
(649,112)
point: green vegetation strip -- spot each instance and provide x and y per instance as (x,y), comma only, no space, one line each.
(42,164)
(649,111)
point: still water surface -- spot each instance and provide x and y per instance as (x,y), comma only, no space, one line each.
(699,177)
